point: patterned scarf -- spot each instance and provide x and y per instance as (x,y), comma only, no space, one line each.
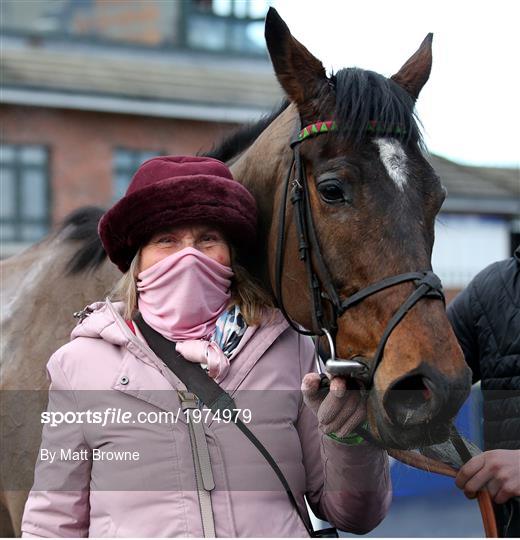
(221,346)
(229,329)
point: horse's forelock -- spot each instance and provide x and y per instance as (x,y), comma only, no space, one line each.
(364,96)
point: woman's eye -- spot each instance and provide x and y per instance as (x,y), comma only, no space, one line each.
(165,240)
(210,238)
(331,191)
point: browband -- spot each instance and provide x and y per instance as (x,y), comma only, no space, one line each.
(324,126)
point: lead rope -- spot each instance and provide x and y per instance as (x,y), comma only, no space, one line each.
(485,503)
(421,462)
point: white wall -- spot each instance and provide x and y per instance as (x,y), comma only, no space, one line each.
(465,244)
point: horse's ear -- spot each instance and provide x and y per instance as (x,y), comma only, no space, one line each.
(414,74)
(300,73)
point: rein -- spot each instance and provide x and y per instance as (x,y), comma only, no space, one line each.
(427,284)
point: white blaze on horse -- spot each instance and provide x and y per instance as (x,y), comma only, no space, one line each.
(366,199)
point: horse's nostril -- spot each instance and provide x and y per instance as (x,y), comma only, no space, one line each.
(411,400)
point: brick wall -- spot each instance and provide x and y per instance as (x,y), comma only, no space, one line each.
(81,145)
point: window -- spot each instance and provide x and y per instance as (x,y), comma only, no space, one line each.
(24,193)
(125,164)
(226,25)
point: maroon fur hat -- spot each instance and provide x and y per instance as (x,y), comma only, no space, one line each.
(171,190)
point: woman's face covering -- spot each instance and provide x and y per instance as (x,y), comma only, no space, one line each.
(205,238)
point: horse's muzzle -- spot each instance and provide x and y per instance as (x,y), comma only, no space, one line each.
(419,407)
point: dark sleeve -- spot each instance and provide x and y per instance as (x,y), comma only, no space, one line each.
(462,319)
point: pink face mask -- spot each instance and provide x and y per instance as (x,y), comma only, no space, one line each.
(182,295)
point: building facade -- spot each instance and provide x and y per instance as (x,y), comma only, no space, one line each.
(91,88)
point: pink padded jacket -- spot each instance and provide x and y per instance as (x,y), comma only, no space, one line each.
(137,478)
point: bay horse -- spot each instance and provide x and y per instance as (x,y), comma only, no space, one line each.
(372,198)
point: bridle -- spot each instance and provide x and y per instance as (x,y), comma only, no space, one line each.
(427,285)
(320,283)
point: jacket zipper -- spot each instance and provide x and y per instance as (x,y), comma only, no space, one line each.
(200,456)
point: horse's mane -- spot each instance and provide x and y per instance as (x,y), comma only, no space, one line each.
(361,96)
(238,141)
(81,225)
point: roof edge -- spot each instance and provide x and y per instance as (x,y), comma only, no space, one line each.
(479,205)
(120,105)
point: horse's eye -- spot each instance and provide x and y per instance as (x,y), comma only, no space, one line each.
(331,191)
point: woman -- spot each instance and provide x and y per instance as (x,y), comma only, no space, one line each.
(177,235)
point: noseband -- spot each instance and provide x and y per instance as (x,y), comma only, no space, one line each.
(427,284)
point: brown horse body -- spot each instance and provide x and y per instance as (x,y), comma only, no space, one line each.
(374,202)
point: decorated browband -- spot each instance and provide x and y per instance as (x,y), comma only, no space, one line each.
(325,126)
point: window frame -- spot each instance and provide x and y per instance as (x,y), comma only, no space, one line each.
(231,22)
(131,169)
(17,167)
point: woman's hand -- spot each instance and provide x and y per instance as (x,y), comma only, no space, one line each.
(340,410)
(496,470)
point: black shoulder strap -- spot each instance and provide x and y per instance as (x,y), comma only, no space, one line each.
(211,394)
(204,387)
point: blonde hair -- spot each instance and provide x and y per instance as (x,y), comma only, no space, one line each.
(254,302)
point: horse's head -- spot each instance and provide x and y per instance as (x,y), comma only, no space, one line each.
(373,198)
